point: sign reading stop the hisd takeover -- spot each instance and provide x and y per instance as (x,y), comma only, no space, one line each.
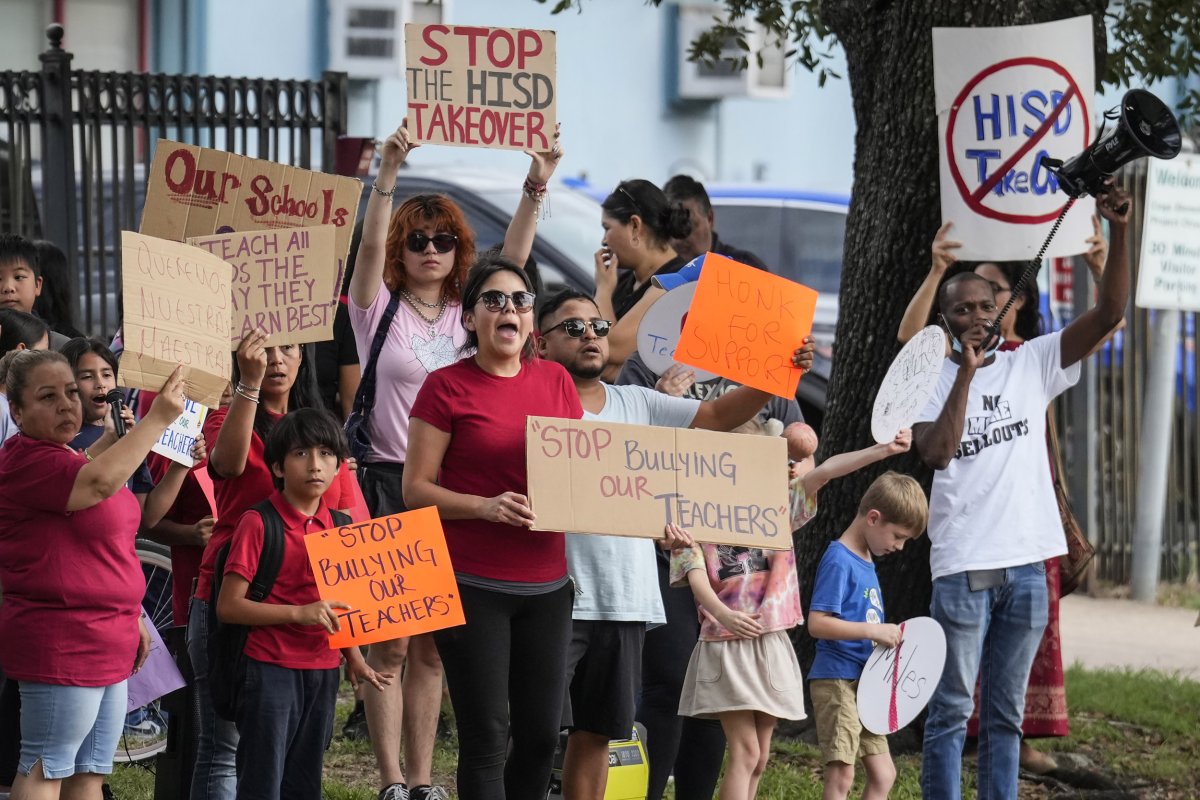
(631,480)
(480,87)
(1169,272)
(1006,98)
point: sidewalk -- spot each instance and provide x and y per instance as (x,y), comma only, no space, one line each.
(1121,633)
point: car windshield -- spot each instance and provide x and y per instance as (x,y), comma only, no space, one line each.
(572,224)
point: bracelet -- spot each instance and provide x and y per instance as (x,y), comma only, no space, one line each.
(375,188)
(246,388)
(240,393)
(534,191)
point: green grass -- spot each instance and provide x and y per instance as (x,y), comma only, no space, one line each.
(1140,727)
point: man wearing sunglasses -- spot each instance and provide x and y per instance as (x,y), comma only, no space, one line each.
(616,576)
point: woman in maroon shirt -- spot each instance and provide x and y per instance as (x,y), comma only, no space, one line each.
(73,585)
(466,455)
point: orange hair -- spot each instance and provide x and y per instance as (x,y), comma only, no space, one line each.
(441,214)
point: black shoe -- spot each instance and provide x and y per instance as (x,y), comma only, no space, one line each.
(356,724)
(428,793)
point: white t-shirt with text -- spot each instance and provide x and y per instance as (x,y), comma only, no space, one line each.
(994,505)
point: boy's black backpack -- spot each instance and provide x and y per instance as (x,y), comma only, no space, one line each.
(227,642)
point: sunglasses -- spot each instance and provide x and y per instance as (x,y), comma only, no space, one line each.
(442,242)
(575,328)
(496,300)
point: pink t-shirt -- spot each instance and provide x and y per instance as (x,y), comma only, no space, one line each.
(72,582)
(412,350)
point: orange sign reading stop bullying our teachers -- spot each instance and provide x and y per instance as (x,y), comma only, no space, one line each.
(745,323)
(394,573)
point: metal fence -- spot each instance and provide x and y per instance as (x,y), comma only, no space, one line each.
(76,144)
(1102,418)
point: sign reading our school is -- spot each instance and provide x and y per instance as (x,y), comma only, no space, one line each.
(1007,98)
(395,574)
(197,191)
(480,87)
(631,480)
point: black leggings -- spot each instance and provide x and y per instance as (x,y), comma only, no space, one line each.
(10,731)
(506,669)
(693,747)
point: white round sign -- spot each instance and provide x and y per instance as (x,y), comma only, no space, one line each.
(909,383)
(658,333)
(896,684)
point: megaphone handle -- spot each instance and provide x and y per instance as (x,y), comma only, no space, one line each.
(1032,268)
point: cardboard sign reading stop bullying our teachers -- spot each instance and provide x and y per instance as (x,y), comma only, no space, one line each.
(631,480)
(480,87)
(395,574)
(176,301)
(197,191)
(1006,98)
(744,325)
(284,282)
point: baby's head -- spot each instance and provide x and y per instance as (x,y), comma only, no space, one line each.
(801,439)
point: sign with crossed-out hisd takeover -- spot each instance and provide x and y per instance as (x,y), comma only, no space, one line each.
(1006,98)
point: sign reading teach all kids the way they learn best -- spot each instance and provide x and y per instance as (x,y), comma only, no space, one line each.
(1007,98)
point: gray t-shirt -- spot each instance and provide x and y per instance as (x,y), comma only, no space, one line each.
(615,576)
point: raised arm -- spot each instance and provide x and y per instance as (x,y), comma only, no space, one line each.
(232,445)
(162,496)
(518,239)
(108,472)
(1090,328)
(740,405)
(916,315)
(368,264)
(844,463)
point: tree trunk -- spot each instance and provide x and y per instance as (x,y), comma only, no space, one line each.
(894,213)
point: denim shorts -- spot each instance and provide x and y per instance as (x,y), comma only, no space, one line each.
(70,729)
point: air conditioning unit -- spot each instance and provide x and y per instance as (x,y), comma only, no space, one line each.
(700,81)
(366,37)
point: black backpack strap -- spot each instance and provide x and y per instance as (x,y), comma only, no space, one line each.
(271,558)
(364,398)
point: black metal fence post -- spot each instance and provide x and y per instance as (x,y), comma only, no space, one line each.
(335,86)
(58,153)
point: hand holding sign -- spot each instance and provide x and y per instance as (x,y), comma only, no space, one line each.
(897,682)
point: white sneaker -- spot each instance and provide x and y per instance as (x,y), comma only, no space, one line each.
(397,791)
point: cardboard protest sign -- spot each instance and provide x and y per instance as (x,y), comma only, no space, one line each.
(908,384)
(897,683)
(1006,98)
(658,332)
(177,304)
(198,191)
(179,438)
(395,573)
(1169,271)
(631,480)
(744,325)
(284,281)
(480,87)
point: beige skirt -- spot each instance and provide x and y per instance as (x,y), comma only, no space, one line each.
(744,675)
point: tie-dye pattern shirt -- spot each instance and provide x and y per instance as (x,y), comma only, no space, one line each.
(747,579)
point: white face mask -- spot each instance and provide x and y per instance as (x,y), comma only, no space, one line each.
(957,347)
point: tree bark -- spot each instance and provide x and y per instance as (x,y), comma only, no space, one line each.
(894,213)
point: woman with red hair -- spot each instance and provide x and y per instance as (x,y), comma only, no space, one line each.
(407,292)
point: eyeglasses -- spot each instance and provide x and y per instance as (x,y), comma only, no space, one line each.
(496,300)
(442,242)
(575,328)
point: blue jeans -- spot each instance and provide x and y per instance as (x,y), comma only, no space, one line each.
(285,718)
(70,729)
(993,633)
(215,775)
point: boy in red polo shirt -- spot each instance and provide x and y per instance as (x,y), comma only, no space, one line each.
(285,708)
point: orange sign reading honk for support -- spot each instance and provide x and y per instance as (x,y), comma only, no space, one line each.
(394,573)
(745,323)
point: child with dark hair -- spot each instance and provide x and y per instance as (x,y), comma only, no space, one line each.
(21,278)
(20,330)
(285,710)
(55,304)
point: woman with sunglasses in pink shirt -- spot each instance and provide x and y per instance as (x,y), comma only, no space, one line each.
(407,290)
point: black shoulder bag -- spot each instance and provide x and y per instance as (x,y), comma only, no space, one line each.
(364,398)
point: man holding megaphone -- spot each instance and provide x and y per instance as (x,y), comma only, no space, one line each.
(993,515)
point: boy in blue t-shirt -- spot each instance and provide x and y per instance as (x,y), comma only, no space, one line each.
(845,617)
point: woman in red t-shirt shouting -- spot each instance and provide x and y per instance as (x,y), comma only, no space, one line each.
(72,582)
(466,455)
